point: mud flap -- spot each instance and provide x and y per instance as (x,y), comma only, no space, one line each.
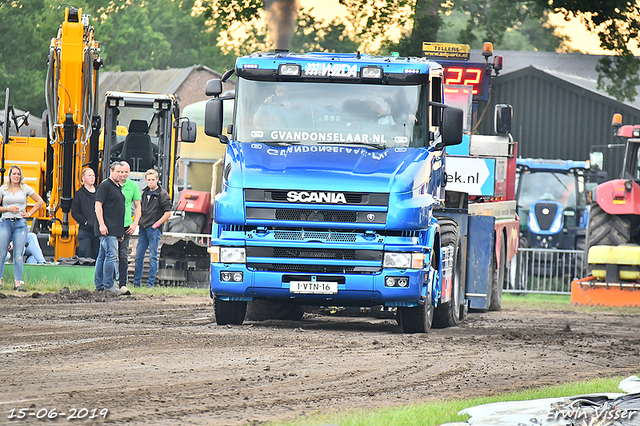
(481,246)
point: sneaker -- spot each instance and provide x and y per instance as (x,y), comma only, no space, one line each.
(113,289)
(125,291)
(99,289)
(18,288)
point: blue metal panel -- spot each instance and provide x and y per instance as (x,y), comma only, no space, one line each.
(480,260)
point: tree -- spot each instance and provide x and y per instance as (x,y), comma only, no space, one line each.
(311,34)
(134,35)
(617,23)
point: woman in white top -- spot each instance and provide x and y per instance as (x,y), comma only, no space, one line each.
(13,224)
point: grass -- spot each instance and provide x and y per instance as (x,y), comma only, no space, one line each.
(438,412)
(43,286)
(557,302)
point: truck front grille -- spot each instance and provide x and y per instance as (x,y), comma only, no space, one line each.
(313,253)
(317,215)
(315,235)
(315,269)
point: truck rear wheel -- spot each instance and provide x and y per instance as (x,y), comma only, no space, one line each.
(495,297)
(449,313)
(417,319)
(261,310)
(229,312)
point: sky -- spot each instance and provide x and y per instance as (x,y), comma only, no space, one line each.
(581,39)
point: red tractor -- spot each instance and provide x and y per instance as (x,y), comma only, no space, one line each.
(613,235)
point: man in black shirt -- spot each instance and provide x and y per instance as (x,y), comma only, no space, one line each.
(110,228)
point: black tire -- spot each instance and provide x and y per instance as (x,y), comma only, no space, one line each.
(448,314)
(262,310)
(495,298)
(417,319)
(192,223)
(606,230)
(229,312)
(581,266)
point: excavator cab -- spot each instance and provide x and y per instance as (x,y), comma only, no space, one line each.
(150,141)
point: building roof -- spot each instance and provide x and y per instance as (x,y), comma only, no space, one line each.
(157,81)
(577,69)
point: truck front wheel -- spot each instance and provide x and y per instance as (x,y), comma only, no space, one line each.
(417,319)
(229,312)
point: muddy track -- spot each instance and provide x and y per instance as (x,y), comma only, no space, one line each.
(164,361)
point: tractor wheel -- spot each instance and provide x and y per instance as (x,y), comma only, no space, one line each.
(192,223)
(606,230)
(449,313)
(229,312)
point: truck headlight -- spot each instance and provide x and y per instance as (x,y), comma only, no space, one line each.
(403,260)
(233,255)
(228,254)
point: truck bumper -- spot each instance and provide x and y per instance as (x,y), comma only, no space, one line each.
(352,289)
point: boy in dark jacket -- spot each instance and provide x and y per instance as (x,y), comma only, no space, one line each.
(156,209)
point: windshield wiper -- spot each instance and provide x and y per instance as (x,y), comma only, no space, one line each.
(372,145)
(561,183)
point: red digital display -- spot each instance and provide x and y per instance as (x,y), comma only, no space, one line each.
(466,75)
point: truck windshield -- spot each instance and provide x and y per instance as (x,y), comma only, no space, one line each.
(306,113)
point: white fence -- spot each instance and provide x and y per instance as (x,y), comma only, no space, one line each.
(545,271)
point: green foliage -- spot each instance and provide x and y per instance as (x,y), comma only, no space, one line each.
(311,35)
(134,35)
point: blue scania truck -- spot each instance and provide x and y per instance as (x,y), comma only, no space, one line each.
(333,192)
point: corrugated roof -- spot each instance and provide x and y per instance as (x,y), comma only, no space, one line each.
(575,68)
(157,81)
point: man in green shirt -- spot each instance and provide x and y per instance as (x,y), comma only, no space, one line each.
(131,198)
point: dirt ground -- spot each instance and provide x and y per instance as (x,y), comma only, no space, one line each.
(164,361)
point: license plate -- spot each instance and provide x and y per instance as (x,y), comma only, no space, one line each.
(313,287)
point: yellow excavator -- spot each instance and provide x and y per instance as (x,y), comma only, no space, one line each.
(52,164)
(142,128)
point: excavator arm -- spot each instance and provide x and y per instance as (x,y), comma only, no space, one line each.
(73,122)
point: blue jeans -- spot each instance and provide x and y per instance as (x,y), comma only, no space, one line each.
(106,262)
(88,244)
(147,238)
(32,251)
(16,231)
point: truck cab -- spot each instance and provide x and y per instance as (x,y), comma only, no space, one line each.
(333,172)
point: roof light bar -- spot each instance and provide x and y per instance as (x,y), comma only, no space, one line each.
(371,72)
(292,70)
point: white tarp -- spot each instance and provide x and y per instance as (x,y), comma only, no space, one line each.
(595,409)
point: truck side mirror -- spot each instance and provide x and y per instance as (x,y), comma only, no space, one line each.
(452,123)
(213,119)
(503,115)
(188,131)
(213,87)
(596,160)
